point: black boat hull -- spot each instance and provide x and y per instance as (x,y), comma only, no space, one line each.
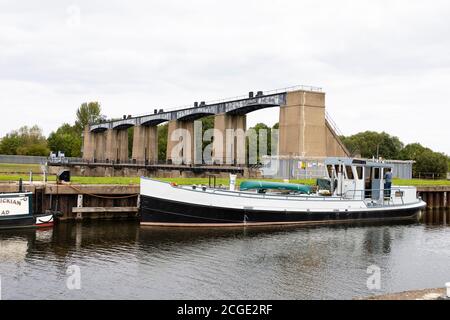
(163,212)
(28,221)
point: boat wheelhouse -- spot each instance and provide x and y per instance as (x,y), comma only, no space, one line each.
(364,180)
(353,190)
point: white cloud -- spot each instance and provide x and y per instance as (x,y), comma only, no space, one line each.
(384,65)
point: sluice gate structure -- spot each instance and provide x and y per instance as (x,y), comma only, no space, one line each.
(305,129)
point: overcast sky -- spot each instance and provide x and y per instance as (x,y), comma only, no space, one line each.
(385,65)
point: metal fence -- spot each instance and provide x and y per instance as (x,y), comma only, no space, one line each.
(22,159)
(401,169)
(293,168)
(431,175)
(32,159)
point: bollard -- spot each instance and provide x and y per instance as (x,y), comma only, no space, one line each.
(80,201)
(233,182)
(448,289)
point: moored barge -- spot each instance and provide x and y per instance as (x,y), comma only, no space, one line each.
(353,191)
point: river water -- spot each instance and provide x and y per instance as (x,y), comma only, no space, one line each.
(120,260)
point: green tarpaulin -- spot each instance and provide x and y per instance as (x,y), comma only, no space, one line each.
(258,185)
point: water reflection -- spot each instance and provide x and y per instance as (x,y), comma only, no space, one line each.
(436,217)
(122,260)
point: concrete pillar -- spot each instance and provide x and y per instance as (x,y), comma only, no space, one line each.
(145,144)
(88,145)
(111,143)
(99,146)
(123,146)
(116,145)
(180,142)
(302,125)
(304,131)
(229,140)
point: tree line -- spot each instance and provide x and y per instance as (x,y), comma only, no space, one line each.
(30,141)
(68,139)
(370,144)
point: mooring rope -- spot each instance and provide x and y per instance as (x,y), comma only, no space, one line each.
(101,197)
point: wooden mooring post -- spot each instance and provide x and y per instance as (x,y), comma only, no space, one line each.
(436,197)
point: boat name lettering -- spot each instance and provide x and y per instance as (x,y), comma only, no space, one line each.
(11,201)
(5,213)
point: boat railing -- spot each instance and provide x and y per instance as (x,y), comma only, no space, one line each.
(273,196)
(385,198)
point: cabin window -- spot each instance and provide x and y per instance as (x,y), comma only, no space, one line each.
(330,171)
(337,168)
(368,173)
(376,174)
(359,172)
(349,172)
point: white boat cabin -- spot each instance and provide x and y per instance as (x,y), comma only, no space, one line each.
(357,178)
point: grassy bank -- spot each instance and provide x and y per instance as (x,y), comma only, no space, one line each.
(132,180)
(14,172)
(8,168)
(421,182)
(199,181)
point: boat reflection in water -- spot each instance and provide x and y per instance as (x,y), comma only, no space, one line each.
(16,244)
(13,250)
